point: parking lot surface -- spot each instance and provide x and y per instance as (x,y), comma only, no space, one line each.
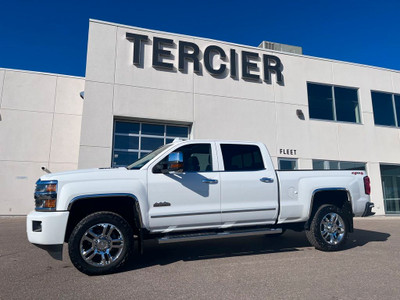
(261,267)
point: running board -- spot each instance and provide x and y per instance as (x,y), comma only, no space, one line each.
(216,235)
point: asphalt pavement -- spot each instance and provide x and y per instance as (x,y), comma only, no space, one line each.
(261,267)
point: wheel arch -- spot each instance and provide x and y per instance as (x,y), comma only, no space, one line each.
(124,204)
(338,196)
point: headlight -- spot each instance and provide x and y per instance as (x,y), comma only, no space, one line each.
(46,195)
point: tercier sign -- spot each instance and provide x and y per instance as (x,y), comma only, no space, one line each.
(188,52)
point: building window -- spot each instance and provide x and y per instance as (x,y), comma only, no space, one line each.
(386,108)
(337,165)
(133,140)
(287,163)
(327,102)
(391,188)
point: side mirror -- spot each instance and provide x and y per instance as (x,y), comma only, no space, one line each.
(175,162)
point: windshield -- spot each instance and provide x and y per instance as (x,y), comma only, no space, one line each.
(145,159)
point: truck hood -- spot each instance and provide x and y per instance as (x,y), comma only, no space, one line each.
(91,174)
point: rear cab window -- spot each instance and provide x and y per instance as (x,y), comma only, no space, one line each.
(239,157)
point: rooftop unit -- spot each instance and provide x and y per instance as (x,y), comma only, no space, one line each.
(281,47)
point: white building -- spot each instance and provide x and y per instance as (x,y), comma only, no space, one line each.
(143,88)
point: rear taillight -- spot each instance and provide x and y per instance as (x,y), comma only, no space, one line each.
(367,185)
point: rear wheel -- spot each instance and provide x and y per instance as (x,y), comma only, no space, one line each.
(329,228)
(101,243)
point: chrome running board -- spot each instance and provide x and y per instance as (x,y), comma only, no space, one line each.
(216,235)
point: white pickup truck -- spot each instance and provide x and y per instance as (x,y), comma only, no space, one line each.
(191,190)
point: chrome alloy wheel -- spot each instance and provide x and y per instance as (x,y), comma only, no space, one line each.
(332,228)
(101,244)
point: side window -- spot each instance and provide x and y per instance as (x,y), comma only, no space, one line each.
(196,158)
(242,157)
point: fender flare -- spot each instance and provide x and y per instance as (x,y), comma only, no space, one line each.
(346,207)
(137,210)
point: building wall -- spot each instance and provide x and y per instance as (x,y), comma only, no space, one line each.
(231,108)
(44,121)
(40,123)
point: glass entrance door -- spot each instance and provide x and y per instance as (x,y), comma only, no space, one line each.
(391,188)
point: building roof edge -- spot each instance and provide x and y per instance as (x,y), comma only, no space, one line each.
(42,73)
(245,46)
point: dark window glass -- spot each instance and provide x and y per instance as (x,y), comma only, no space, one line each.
(128,136)
(146,157)
(349,165)
(127,127)
(126,142)
(287,164)
(333,165)
(346,102)
(151,143)
(242,157)
(326,102)
(397,105)
(320,102)
(122,158)
(383,109)
(168,141)
(177,131)
(318,164)
(196,158)
(153,129)
(337,165)
(144,153)
(390,175)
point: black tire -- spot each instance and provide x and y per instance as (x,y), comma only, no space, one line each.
(101,243)
(329,228)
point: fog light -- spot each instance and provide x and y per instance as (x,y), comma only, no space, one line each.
(37,226)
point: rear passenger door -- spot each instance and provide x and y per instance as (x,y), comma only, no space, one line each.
(249,191)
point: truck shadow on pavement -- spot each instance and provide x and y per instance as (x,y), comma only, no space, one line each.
(155,254)
(362,237)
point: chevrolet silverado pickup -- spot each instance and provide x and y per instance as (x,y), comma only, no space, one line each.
(190,190)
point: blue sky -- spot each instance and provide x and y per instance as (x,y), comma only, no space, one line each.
(51,36)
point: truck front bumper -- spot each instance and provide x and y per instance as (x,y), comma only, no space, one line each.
(47,228)
(368,208)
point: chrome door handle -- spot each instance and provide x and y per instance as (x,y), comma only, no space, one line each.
(267,180)
(210,181)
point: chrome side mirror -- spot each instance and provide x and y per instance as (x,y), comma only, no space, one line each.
(175,162)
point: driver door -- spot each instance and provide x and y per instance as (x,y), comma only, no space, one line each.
(189,199)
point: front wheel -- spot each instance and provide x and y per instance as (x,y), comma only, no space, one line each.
(329,228)
(101,243)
